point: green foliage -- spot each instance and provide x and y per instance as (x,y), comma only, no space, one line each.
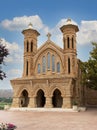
(75,102)
(3,53)
(89,69)
(5,101)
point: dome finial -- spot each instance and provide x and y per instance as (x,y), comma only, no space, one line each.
(30,26)
(69,20)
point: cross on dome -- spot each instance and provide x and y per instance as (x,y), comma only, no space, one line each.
(48,35)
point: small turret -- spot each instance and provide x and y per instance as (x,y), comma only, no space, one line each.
(69,30)
(30,49)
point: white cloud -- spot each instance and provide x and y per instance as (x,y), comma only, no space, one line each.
(14,73)
(87,32)
(20,23)
(64,22)
(87,29)
(15,52)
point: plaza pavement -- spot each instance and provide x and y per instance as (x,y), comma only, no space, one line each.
(51,120)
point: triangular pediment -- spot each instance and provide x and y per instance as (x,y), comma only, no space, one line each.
(49,45)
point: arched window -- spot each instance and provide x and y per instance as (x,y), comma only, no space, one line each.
(48,60)
(58,67)
(43,64)
(27,68)
(27,46)
(72,42)
(69,66)
(68,42)
(39,69)
(31,46)
(53,63)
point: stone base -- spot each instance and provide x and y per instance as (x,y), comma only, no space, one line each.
(42,109)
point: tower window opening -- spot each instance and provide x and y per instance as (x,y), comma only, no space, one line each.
(27,68)
(72,42)
(27,46)
(31,46)
(68,65)
(68,42)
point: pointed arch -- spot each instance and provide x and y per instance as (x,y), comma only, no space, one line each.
(40,98)
(37,88)
(53,88)
(57,99)
(24,98)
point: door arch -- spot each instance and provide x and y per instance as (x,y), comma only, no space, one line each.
(57,99)
(24,99)
(40,99)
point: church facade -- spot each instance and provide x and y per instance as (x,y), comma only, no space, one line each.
(51,75)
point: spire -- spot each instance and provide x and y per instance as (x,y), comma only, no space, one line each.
(48,35)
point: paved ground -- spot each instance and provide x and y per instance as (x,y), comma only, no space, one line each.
(28,120)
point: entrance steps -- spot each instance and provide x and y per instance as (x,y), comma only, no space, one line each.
(43,109)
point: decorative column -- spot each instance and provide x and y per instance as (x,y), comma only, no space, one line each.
(32,102)
(16,102)
(67,102)
(48,102)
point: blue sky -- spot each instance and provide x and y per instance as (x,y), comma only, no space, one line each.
(46,16)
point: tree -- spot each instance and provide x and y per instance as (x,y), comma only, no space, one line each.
(3,53)
(89,69)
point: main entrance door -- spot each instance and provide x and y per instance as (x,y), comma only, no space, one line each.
(40,99)
(57,100)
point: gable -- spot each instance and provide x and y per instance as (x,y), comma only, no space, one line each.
(54,51)
(49,45)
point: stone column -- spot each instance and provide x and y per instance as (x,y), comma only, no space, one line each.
(67,102)
(32,102)
(16,102)
(48,103)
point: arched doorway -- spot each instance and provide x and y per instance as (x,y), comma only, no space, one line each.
(40,99)
(24,99)
(57,100)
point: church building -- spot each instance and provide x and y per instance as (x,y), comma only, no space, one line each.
(51,74)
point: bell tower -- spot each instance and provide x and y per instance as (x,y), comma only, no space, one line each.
(30,49)
(69,31)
